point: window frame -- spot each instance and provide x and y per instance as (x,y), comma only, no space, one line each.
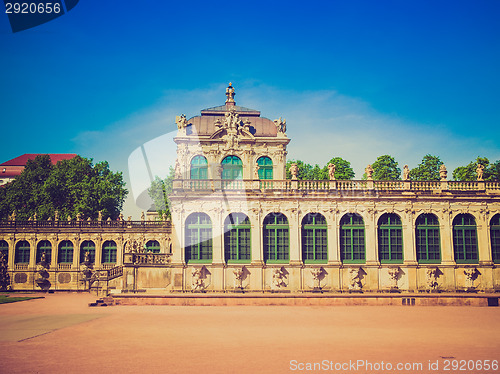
(351,228)
(20,253)
(198,170)
(390,228)
(266,168)
(317,246)
(201,230)
(280,235)
(495,238)
(422,236)
(65,252)
(463,229)
(237,231)
(42,244)
(109,252)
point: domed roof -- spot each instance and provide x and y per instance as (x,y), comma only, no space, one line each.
(205,124)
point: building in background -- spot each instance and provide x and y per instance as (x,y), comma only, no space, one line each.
(239,225)
(9,170)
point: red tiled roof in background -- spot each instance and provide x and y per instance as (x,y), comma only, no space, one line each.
(21,160)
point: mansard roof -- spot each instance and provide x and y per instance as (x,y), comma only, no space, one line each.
(204,125)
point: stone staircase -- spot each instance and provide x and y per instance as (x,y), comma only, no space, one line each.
(105,301)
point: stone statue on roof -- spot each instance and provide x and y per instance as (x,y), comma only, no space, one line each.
(230,94)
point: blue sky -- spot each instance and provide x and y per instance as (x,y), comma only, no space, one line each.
(355,79)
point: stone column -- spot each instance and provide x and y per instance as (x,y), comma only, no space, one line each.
(12,253)
(294,240)
(32,263)
(333,239)
(256,231)
(446,233)
(217,238)
(483,241)
(98,252)
(409,244)
(76,254)
(371,240)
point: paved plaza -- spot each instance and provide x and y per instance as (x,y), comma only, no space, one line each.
(61,334)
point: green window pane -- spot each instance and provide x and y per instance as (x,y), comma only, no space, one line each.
(265,168)
(465,239)
(65,253)
(87,246)
(232,168)
(22,253)
(276,240)
(43,246)
(109,252)
(198,238)
(352,238)
(199,167)
(153,246)
(390,238)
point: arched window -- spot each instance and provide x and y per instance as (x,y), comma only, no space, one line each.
(495,238)
(232,168)
(153,246)
(43,246)
(352,239)
(265,167)
(4,248)
(465,239)
(198,246)
(65,253)
(22,253)
(390,239)
(237,246)
(199,167)
(276,242)
(108,252)
(314,239)
(427,237)
(87,246)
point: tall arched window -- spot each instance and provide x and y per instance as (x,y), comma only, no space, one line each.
(87,246)
(427,237)
(108,252)
(153,246)
(276,242)
(265,167)
(314,239)
(352,239)
(232,168)
(22,253)
(495,238)
(4,248)
(198,246)
(43,246)
(465,239)
(199,167)
(390,239)
(65,253)
(237,245)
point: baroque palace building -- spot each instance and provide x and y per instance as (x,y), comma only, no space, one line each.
(238,225)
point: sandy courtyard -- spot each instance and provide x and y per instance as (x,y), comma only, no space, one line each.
(60,334)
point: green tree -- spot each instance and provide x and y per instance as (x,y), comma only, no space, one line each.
(71,187)
(305,170)
(468,173)
(427,170)
(343,169)
(386,169)
(159,192)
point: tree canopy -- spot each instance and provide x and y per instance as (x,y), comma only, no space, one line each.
(343,170)
(160,190)
(71,187)
(468,173)
(385,168)
(427,170)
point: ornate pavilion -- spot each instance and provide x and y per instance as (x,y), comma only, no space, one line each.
(238,225)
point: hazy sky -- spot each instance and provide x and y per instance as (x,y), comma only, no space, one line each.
(355,79)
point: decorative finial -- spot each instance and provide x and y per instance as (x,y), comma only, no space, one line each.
(230,95)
